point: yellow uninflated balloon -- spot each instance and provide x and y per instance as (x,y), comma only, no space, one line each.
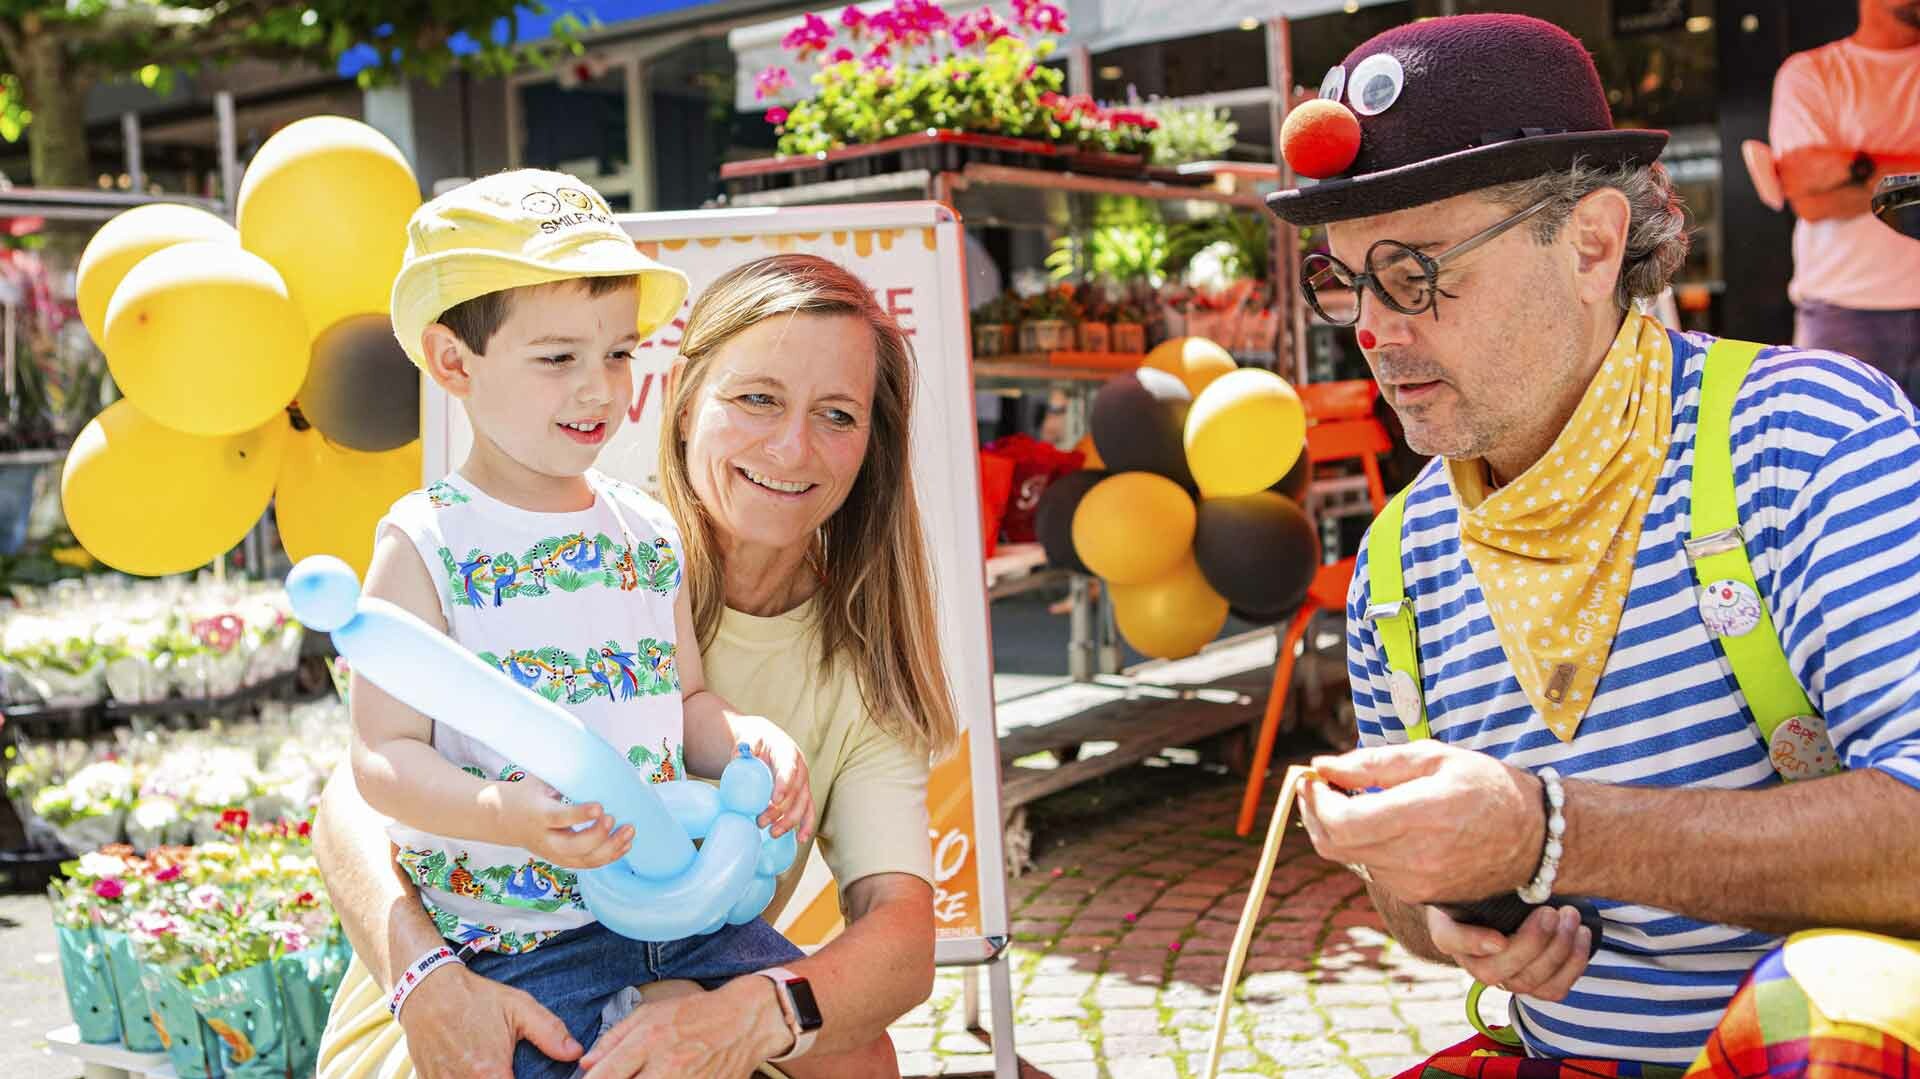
(147,499)
(202,337)
(326,200)
(1243,433)
(329,498)
(1133,527)
(1173,615)
(130,237)
(1195,361)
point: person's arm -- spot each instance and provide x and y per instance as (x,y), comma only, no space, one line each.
(1819,181)
(400,774)
(711,730)
(458,1024)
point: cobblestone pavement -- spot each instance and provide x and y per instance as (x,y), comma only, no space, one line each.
(1121,938)
(1122,933)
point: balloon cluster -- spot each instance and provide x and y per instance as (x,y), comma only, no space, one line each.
(213,332)
(1195,512)
(663,889)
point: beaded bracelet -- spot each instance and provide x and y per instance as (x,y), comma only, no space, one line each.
(1540,889)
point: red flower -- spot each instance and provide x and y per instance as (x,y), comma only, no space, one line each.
(108,888)
(305,830)
(776,116)
(304,899)
(233,820)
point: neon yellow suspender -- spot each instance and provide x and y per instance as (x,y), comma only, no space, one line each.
(1717,550)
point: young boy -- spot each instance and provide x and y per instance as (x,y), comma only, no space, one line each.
(524,300)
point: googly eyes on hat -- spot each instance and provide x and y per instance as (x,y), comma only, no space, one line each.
(1376,84)
(1335,82)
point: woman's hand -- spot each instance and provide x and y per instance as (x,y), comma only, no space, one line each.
(462,1026)
(724,1034)
(791,809)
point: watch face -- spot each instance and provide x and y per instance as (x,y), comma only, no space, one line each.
(805,1010)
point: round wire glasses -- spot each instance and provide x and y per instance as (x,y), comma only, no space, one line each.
(1399,275)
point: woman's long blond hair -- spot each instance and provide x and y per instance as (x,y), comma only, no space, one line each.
(876,596)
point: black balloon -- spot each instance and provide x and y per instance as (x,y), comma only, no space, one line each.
(361,391)
(1053,518)
(1138,423)
(1260,551)
(1298,478)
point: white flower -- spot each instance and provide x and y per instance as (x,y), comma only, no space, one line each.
(205,897)
(154,812)
(291,937)
(96,865)
(154,924)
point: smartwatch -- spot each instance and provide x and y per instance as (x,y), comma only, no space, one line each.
(1861,169)
(798,1006)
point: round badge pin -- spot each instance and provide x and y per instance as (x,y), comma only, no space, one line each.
(1801,748)
(1730,608)
(1335,82)
(1406,697)
(1376,84)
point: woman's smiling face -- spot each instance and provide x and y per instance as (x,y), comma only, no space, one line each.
(778,429)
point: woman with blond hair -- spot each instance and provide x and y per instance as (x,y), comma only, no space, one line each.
(784,458)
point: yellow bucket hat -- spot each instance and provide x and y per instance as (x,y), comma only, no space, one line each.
(513,229)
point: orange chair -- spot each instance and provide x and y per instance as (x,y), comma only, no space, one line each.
(1343,427)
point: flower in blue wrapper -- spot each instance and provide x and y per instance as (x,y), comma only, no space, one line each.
(137,1031)
(189,1041)
(83,966)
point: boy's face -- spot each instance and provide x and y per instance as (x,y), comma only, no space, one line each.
(557,377)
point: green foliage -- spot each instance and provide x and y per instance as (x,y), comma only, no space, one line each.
(1249,238)
(1125,242)
(1193,133)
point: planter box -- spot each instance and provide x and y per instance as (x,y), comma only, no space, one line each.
(933,150)
(992,339)
(1128,337)
(1095,337)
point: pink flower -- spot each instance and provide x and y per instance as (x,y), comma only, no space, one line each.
(155,923)
(1174,947)
(1131,918)
(108,888)
(841,55)
(771,81)
(170,871)
(291,937)
(206,897)
(776,116)
(1049,19)
(877,57)
(811,36)
(853,19)
(979,25)
(961,74)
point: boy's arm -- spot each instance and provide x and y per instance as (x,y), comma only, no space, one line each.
(712,730)
(395,766)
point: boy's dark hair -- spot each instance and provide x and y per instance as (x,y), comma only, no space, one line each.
(477,320)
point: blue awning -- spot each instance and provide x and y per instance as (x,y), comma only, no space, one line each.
(531,27)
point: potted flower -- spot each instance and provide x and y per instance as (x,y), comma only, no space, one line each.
(1129,328)
(1046,324)
(994,324)
(1095,331)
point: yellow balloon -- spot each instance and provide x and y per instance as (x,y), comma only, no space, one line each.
(329,498)
(1243,433)
(130,237)
(1172,616)
(202,337)
(326,200)
(147,499)
(1133,527)
(1195,361)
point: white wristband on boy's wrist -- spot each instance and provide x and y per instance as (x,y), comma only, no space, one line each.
(417,972)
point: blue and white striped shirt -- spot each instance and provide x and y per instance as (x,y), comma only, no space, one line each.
(1826,457)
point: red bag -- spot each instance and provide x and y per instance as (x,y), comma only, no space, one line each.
(1035,464)
(996,488)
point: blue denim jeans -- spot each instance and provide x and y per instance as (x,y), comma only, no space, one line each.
(1888,340)
(576,973)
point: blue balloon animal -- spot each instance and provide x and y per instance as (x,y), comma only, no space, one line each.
(663,889)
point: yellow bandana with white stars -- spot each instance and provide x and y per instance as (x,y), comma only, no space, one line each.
(1553,550)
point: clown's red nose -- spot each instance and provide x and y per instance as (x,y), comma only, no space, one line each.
(1367,340)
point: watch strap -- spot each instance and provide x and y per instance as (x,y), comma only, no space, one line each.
(802,1038)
